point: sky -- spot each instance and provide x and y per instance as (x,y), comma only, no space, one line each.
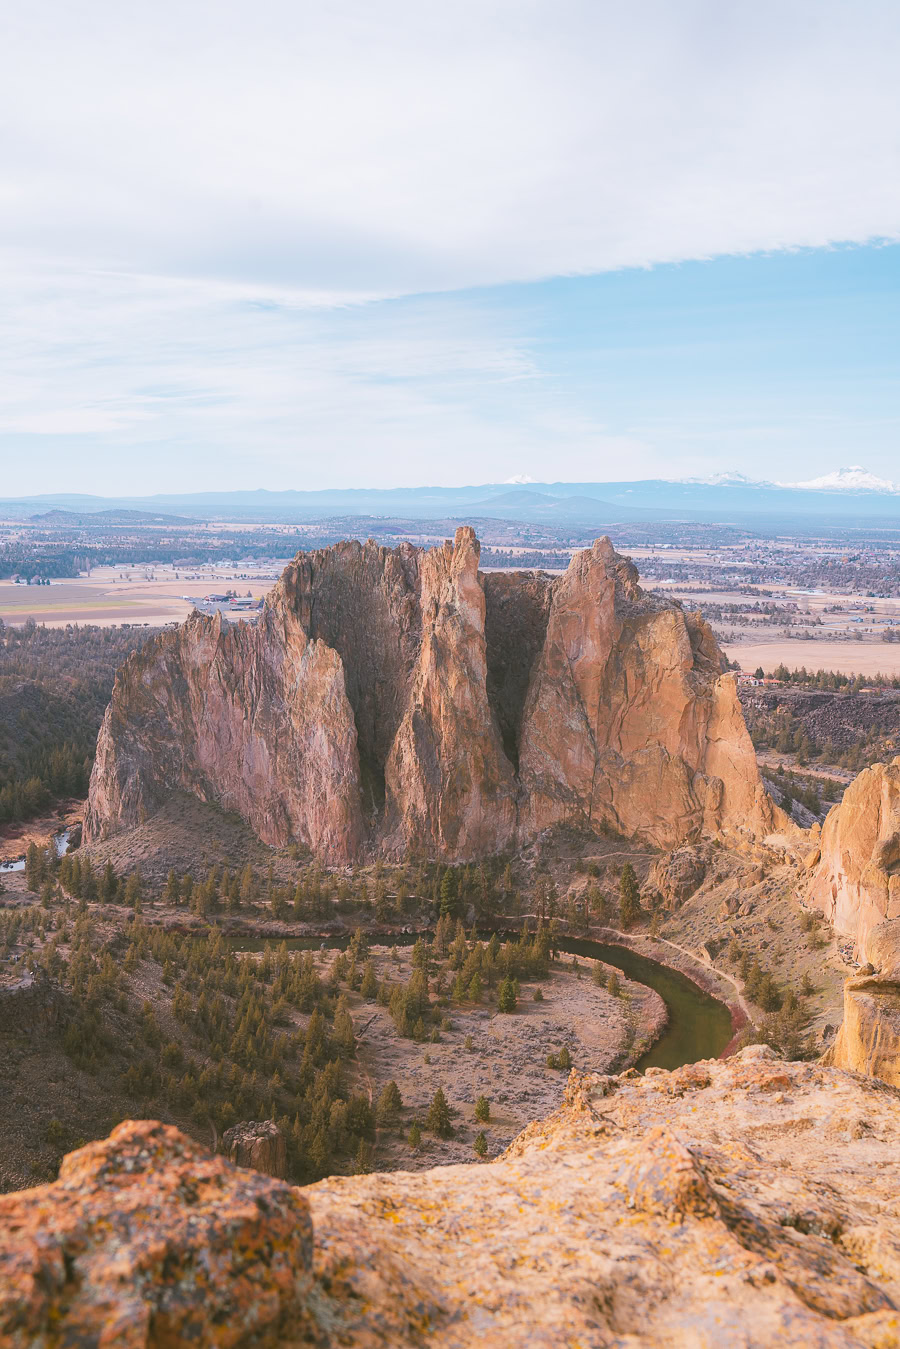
(396,242)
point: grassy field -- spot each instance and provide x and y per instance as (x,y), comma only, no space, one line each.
(848,657)
(114,596)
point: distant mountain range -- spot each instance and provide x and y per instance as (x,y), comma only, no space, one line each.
(94,518)
(846,495)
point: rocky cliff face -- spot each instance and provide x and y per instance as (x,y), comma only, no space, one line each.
(390,700)
(856,882)
(869,1037)
(668,1209)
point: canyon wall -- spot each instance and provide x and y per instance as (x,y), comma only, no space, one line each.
(671,1209)
(856,882)
(396,700)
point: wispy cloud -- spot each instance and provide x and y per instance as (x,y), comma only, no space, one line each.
(210,215)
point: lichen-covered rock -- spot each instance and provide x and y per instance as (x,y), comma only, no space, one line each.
(669,1209)
(857,881)
(397,700)
(259,1144)
(746,1203)
(148,1240)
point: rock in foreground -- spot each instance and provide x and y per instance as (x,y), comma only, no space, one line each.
(741,1203)
(147,1239)
(397,699)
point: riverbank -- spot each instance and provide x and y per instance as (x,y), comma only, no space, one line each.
(16,836)
(502,1057)
(706,1012)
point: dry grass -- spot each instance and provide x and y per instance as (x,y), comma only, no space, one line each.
(848,657)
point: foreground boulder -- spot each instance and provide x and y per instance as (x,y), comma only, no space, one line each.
(745,1203)
(397,699)
(147,1239)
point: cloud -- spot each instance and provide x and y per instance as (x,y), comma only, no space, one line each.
(150,383)
(216,219)
(396,146)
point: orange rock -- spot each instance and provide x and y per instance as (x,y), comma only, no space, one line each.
(857,883)
(659,1209)
(148,1240)
(391,700)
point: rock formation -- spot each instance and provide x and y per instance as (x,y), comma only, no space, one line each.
(676,875)
(869,1037)
(258,1144)
(856,883)
(147,1239)
(749,1202)
(396,700)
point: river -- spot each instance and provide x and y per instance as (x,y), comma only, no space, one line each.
(60,842)
(699,1026)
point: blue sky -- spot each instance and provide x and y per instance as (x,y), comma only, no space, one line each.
(396,242)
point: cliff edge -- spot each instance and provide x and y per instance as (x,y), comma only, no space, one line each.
(748,1202)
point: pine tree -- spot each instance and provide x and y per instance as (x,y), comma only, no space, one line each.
(369,986)
(389,1104)
(448,893)
(133,890)
(480,1145)
(415,1135)
(483,1109)
(506,996)
(365,1157)
(109,884)
(34,867)
(629,902)
(438,1117)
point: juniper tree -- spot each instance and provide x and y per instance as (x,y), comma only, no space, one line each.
(629,896)
(506,996)
(390,1103)
(438,1117)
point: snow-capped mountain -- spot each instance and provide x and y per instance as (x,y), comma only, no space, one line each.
(853,479)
